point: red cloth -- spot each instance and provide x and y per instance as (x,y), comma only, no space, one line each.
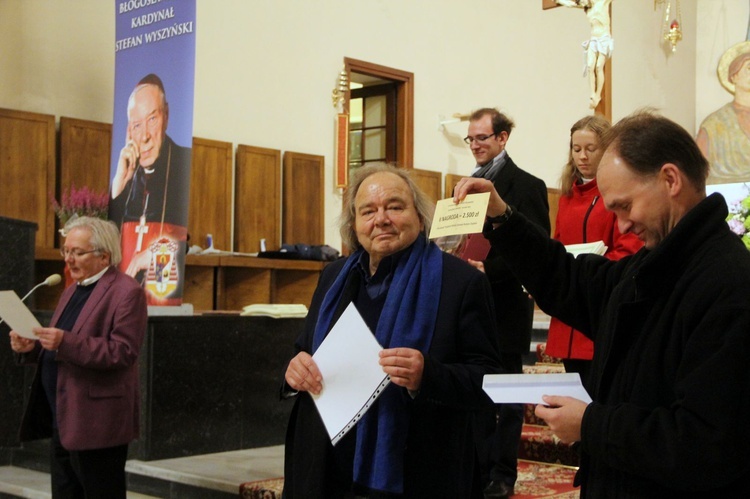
(476,248)
(562,340)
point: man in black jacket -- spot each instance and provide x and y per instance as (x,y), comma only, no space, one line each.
(488,134)
(670,323)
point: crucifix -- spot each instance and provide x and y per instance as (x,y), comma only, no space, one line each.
(597,49)
(141,228)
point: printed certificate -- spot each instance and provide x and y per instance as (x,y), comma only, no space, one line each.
(466,217)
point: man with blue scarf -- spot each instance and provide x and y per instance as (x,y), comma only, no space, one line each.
(433,315)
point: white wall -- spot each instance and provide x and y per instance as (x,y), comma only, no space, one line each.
(645,72)
(58,57)
(266,68)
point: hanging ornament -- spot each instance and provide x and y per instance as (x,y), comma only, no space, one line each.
(672,31)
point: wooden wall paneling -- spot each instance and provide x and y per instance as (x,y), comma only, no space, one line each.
(257,213)
(294,286)
(27,170)
(430,182)
(451,179)
(47,261)
(85,154)
(199,287)
(245,286)
(302,201)
(200,281)
(211,193)
(553,197)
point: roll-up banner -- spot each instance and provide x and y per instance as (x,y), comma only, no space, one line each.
(152,135)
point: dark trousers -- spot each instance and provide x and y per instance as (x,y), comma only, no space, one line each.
(498,449)
(89,474)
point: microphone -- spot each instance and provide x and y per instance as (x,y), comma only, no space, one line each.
(52,280)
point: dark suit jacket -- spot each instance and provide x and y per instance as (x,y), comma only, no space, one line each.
(97,370)
(440,453)
(515,310)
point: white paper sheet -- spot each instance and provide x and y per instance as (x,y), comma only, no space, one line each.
(348,360)
(17,315)
(529,388)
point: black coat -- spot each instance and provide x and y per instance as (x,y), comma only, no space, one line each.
(440,453)
(515,310)
(669,379)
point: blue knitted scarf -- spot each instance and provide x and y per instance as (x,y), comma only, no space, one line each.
(407,320)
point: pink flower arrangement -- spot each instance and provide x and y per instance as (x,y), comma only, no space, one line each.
(81,202)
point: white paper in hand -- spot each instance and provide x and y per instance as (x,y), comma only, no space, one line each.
(348,360)
(17,315)
(529,388)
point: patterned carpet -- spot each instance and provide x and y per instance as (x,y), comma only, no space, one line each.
(545,480)
(538,443)
(263,489)
(534,480)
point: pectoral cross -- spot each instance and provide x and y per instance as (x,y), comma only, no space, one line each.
(141,228)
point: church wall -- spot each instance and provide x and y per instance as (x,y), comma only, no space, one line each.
(265,70)
(645,73)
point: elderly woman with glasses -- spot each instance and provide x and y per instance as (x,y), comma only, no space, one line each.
(85,389)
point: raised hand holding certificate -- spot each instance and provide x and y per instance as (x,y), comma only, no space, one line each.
(466,217)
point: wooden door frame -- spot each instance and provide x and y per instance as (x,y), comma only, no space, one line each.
(404,104)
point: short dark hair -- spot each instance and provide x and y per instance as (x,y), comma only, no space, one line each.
(500,122)
(647,141)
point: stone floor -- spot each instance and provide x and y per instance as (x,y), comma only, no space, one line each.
(221,472)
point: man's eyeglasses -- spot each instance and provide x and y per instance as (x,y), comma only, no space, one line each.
(479,138)
(75,252)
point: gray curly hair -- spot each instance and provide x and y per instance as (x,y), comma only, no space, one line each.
(105,237)
(424,206)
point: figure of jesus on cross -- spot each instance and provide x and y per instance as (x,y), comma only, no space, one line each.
(598,48)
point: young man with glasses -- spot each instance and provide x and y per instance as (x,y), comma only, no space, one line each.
(498,442)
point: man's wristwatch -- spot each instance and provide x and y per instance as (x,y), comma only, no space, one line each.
(501,219)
